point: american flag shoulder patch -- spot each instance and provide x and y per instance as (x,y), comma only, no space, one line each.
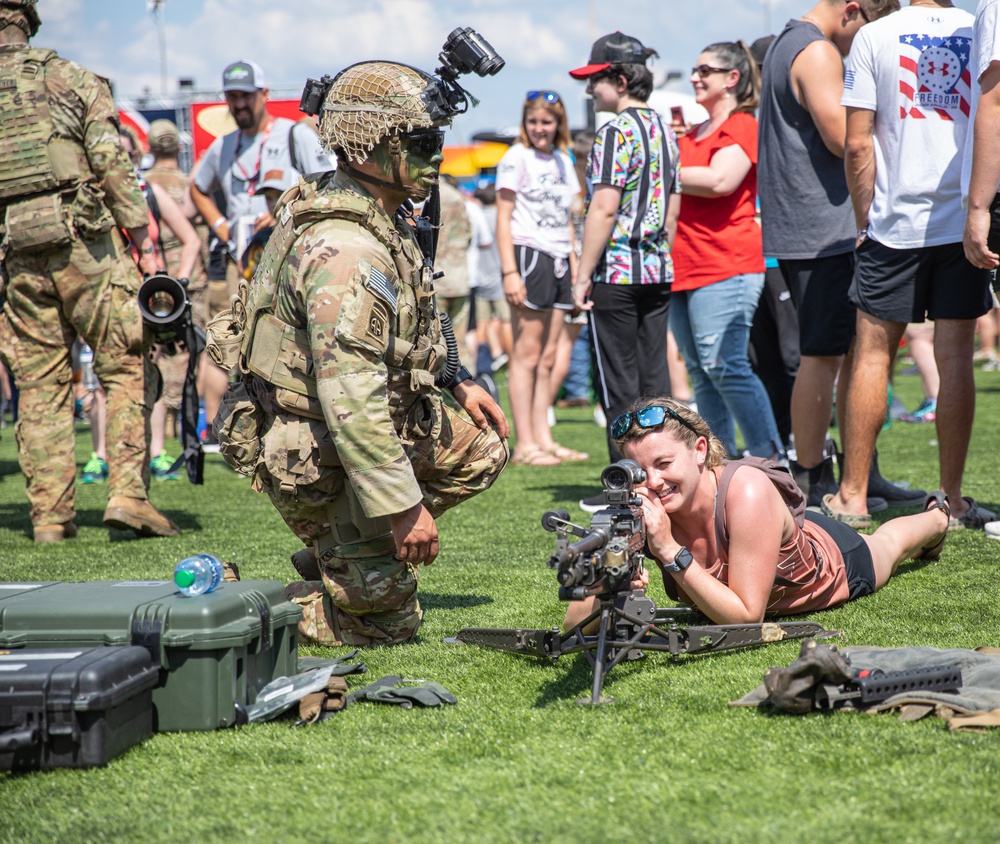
(382,287)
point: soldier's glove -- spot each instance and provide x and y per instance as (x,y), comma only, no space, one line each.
(338,666)
(318,705)
(391,690)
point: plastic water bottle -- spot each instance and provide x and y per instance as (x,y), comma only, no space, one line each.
(198,574)
(87,374)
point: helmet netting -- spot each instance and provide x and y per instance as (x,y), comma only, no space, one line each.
(368,102)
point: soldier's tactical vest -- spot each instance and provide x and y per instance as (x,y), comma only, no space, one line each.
(36,166)
(249,335)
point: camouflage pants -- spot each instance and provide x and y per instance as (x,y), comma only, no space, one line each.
(87,289)
(368,595)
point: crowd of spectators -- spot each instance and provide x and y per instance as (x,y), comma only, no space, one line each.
(574,265)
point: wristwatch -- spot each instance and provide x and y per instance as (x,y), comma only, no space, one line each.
(682,559)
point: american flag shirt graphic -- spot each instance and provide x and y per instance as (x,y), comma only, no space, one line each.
(934,76)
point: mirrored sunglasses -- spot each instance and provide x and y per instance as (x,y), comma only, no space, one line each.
(647,417)
(548,96)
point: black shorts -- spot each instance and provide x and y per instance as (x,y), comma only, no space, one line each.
(857,555)
(546,290)
(819,288)
(905,285)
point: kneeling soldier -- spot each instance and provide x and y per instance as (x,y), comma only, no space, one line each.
(352,413)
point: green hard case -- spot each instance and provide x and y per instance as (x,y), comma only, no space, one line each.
(215,651)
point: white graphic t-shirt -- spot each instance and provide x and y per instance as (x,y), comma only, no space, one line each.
(985,50)
(912,69)
(545,186)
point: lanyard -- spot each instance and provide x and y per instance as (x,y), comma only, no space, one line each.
(252,180)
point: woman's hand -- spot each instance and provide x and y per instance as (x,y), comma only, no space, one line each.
(659,536)
(514,290)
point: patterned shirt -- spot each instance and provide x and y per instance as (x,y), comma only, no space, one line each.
(636,153)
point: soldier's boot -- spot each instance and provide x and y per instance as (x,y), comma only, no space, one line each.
(306,565)
(139,516)
(55,533)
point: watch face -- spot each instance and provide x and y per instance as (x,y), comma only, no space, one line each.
(683,559)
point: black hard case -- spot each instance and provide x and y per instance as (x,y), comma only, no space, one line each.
(214,651)
(73,708)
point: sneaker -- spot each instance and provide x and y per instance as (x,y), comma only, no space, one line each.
(992,530)
(599,418)
(210,443)
(594,503)
(499,362)
(927,412)
(160,467)
(95,471)
(992,364)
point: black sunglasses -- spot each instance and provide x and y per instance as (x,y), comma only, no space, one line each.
(704,70)
(548,96)
(647,417)
(425,142)
(863,13)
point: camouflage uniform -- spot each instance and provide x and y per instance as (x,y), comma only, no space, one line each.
(452,259)
(80,282)
(174,367)
(370,435)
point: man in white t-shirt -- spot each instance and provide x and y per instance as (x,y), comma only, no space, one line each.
(981,164)
(235,163)
(907,93)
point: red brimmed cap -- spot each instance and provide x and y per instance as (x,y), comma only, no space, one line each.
(615,48)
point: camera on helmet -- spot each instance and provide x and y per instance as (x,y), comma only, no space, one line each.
(314,95)
(166,310)
(466,51)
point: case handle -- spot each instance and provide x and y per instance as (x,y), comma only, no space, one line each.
(18,739)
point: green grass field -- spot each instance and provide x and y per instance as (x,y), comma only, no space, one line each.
(517,759)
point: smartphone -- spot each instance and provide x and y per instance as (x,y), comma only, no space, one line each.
(676,114)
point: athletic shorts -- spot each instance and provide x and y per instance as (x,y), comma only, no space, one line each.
(857,555)
(819,288)
(547,279)
(907,285)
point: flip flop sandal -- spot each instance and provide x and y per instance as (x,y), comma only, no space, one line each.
(568,455)
(858,521)
(534,456)
(935,501)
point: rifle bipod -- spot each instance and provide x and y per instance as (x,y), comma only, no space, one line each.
(629,623)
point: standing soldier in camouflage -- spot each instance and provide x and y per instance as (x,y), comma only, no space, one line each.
(348,416)
(65,183)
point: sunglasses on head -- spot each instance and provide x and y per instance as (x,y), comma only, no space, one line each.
(425,142)
(548,96)
(704,70)
(651,416)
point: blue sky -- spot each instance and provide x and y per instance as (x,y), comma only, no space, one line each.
(296,39)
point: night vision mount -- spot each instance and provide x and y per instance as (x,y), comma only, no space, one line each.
(464,51)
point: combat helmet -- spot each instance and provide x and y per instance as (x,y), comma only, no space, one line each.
(30,10)
(373,100)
